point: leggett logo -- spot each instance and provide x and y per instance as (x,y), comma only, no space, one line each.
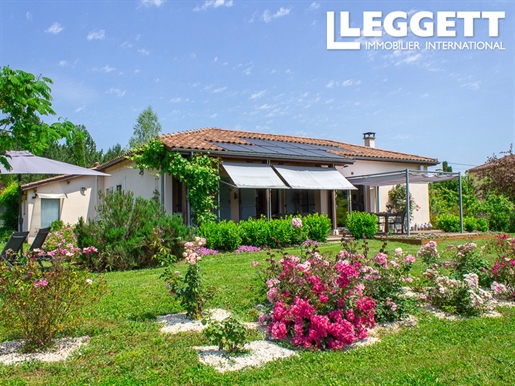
(400,24)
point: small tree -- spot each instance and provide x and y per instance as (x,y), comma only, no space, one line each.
(397,200)
(146,129)
(24,100)
(498,175)
(9,200)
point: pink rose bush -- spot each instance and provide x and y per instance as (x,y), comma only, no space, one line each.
(454,285)
(39,302)
(384,277)
(296,222)
(318,304)
(502,272)
(189,290)
(428,253)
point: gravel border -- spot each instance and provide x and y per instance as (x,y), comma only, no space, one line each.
(261,352)
(10,352)
(175,323)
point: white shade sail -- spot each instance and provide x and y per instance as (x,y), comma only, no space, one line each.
(24,162)
(257,176)
(399,177)
(313,178)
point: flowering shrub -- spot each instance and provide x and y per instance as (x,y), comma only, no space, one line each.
(429,253)
(207,252)
(463,297)
(310,244)
(502,271)
(247,248)
(317,304)
(189,289)
(467,259)
(296,222)
(384,278)
(62,239)
(500,289)
(39,304)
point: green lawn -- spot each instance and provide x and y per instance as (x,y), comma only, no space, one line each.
(126,347)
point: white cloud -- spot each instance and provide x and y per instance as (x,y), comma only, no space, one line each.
(28,16)
(143,51)
(116,91)
(150,3)
(408,58)
(345,83)
(54,28)
(97,35)
(179,100)
(268,16)
(107,69)
(472,85)
(213,4)
(218,90)
(314,5)
(258,94)
(79,109)
(63,63)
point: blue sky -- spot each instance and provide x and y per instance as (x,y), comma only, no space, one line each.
(264,66)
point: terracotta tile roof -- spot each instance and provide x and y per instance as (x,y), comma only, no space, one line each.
(205,139)
(507,159)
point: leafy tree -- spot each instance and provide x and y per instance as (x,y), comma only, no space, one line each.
(146,129)
(24,100)
(444,197)
(498,175)
(113,152)
(79,149)
(9,200)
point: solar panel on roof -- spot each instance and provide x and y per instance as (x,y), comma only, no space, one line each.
(261,146)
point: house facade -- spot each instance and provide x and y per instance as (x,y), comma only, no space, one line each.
(261,175)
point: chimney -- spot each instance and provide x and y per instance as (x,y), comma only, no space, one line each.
(370,139)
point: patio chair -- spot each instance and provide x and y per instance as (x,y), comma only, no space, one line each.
(40,238)
(37,244)
(381,223)
(398,222)
(14,247)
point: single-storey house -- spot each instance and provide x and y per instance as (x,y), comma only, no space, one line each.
(261,174)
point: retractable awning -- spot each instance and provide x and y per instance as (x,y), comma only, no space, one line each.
(313,178)
(257,176)
(51,195)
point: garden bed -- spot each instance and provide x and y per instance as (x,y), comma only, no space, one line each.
(422,239)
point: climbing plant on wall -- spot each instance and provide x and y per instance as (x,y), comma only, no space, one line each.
(199,172)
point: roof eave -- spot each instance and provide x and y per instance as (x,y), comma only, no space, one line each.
(406,161)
